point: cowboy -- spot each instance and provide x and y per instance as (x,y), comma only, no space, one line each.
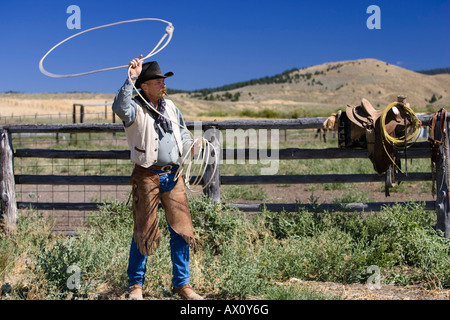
(157,146)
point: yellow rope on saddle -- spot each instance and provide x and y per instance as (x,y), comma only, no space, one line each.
(400,141)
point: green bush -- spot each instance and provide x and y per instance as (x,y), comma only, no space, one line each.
(6,255)
(91,257)
(213,228)
(58,262)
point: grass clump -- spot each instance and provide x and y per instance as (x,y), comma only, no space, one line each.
(238,258)
(296,293)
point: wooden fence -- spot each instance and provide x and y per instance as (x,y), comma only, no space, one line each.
(9,179)
(83,113)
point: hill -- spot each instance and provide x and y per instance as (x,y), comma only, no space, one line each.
(313,91)
(325,87)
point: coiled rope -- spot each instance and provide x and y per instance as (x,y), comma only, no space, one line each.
(403,141)
(204,145)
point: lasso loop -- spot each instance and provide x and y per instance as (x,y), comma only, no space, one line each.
(168,35)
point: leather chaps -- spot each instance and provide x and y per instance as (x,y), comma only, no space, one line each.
(146,196)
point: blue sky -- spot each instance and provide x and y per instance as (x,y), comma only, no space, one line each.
(214,42)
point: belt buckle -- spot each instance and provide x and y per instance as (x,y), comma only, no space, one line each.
(167,167)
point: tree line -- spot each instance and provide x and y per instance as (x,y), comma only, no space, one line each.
(435,71)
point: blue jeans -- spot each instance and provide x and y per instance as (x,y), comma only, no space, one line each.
(179,250)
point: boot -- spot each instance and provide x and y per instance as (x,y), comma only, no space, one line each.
(135,292)
(186,292)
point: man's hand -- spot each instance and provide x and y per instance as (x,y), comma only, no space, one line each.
(136,66)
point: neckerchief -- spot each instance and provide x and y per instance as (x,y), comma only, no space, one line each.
(165,124)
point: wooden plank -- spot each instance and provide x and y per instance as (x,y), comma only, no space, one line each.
(295,207)
(72,154)
(75,180)
(323,178)
(225,180)
(305,154)
(71,128)
(300,123)
(8,208)
(71,180)
(69,206)
(245,207)
(73,206)
(227,154)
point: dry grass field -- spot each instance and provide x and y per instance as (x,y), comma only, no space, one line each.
(14,104)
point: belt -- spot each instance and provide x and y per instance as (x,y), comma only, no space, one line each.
(163,168)
(167,169)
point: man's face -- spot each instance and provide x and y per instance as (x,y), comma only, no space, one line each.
(154,89)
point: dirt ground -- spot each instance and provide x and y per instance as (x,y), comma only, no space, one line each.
(364,292)
(374,191)
(345,292)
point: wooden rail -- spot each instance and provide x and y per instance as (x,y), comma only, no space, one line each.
(420,150)
(300,123)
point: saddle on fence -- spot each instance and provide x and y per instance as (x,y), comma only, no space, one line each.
(361,127)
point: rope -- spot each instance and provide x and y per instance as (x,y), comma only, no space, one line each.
(169,32)
(402,141)
(205,144)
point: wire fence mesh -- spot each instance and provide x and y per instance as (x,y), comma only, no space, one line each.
(67,220)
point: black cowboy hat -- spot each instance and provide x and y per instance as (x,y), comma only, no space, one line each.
(151,70)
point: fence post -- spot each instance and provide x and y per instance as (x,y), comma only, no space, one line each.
(212,134)
(81,113)
(74,113)
(74,118)
(442,186)
(7,185)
